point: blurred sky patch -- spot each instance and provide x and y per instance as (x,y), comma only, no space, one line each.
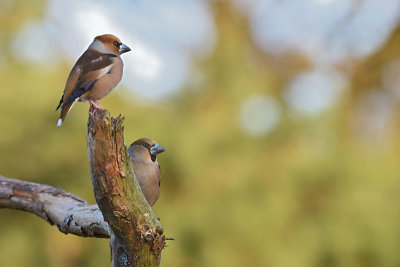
(329,33)
(259,114)
(312,92)
(166,36)
(163,36)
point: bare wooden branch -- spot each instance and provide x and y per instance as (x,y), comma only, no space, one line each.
(136,237)
(71,214)
(136,234)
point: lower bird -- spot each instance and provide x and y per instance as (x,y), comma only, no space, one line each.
(143,153)
(95,74)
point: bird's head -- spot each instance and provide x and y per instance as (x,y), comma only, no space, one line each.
(145,150)
(112,43)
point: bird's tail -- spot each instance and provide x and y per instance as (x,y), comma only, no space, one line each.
(64,111)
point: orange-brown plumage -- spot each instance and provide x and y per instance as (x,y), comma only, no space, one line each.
(95,74)
(108,40)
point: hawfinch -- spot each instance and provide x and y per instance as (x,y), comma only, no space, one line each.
(143,153)
(95,74)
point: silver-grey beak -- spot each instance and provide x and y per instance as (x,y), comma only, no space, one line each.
(123,48)
(156,149)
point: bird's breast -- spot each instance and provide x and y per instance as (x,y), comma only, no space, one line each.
(111,76)
(148,176)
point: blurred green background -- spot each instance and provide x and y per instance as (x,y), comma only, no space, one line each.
(280,130)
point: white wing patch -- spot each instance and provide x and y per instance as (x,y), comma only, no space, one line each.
(104,70)
(101,72)
(97,59)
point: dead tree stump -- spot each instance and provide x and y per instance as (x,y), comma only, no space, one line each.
(136,234)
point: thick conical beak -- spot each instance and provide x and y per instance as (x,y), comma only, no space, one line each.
(156,149)
(123,48)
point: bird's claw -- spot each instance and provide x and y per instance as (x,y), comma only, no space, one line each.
(94,106)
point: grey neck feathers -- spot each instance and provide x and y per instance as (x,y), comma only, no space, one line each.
(99,46)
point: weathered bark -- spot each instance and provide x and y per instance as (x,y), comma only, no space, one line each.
(136,234)
(70,213)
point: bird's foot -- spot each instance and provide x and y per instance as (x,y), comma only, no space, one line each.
(95,104)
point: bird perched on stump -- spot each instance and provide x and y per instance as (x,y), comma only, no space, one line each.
(94,75)
(143,153)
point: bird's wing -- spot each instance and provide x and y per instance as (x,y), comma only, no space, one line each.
(89,68)
(69,86)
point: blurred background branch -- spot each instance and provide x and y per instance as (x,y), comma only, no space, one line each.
(71,214)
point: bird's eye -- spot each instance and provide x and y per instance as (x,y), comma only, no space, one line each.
(116,44)
(146,145)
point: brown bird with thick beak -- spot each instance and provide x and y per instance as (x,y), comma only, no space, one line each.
(94,75)
(143,153)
